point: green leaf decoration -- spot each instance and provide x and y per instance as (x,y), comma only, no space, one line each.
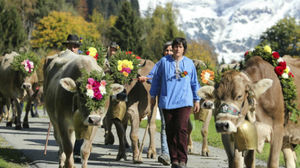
(26,63)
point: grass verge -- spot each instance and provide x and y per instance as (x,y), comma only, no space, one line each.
(214,139)
(10,157)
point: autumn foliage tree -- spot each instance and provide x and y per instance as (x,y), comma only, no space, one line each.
(52,31)
(201,50)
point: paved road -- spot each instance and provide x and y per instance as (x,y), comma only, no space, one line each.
(31,142)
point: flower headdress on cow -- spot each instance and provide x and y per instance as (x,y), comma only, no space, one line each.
(285,76)
(95,88)
(94,49)
(26,62)
(124,66)
(205,73)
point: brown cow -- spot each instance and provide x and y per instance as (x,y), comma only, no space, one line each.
(138,106)
(255,94)
(12,85)
(65,106)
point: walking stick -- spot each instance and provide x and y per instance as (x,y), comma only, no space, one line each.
(48,133)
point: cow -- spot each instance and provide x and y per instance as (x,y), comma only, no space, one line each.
(137,107)
(12,85)
(254,94)
(66,107)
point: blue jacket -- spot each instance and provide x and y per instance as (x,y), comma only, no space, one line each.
(175,93)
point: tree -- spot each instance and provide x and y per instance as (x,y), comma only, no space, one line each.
(103,25)
(127,31)
(160,27)
(52,30)
(283,37)
(201,50)
(12,31)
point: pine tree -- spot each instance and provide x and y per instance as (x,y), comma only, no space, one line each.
(127,31)
(12,31)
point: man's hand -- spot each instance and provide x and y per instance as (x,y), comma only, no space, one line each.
(142,78)
(196,107)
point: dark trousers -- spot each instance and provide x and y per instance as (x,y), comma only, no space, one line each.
(177,133)
(77,146)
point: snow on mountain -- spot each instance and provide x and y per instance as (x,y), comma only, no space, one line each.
(232,26)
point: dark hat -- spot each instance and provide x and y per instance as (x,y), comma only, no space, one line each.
(114,45)
(72,39)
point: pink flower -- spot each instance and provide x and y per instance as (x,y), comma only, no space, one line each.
(103,82)
(98,95)
(96,84)
(91,81)
(275,55)
(89,86)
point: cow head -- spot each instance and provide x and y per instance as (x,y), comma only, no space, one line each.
(89,117)
(236,97)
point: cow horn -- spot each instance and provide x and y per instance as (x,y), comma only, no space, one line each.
(142,65)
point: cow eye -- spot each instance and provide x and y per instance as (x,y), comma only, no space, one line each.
(239,97)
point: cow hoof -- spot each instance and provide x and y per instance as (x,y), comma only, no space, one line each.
(137,161)
(18,127)
(121,156)
(204,153)
(25,125)
(36,115)
(151,154)
(9,124)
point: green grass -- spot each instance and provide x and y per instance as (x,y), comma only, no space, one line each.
(10,157)
(214,139)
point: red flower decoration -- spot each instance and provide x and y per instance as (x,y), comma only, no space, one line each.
(128,52)
(138,57)
(282,64)
(291,74)
(246,53)
(87,53)
(275,55)
(279,70)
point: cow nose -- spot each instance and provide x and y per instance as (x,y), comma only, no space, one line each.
(94,120)
(121,96)
(208,105)
(222,127)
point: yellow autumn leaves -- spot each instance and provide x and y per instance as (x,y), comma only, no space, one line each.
(52,31)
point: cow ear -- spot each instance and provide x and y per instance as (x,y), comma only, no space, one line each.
(261,86)
(206,92)
(68,84)
(116,88)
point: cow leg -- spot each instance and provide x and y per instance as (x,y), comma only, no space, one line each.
(204,133)
(238,159)
(61,154)
(125,123)
(121,135)
(250,159)
(190,140)
(135,122)
(86,148)
(289,156)
(27,109)
(109,137)
(229,149)
(276,145)
(68,140)
(152,130)
(18,115)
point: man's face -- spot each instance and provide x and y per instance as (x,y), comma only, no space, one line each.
(74,48)
(178,50)
(112,51)
(168,51)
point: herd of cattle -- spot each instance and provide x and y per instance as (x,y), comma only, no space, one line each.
(253,94)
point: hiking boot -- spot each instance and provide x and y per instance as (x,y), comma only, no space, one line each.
(164,159)
(182,165)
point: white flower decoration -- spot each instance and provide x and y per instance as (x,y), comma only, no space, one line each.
(280,60)
(285,75)
(102,90)
(90,93)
